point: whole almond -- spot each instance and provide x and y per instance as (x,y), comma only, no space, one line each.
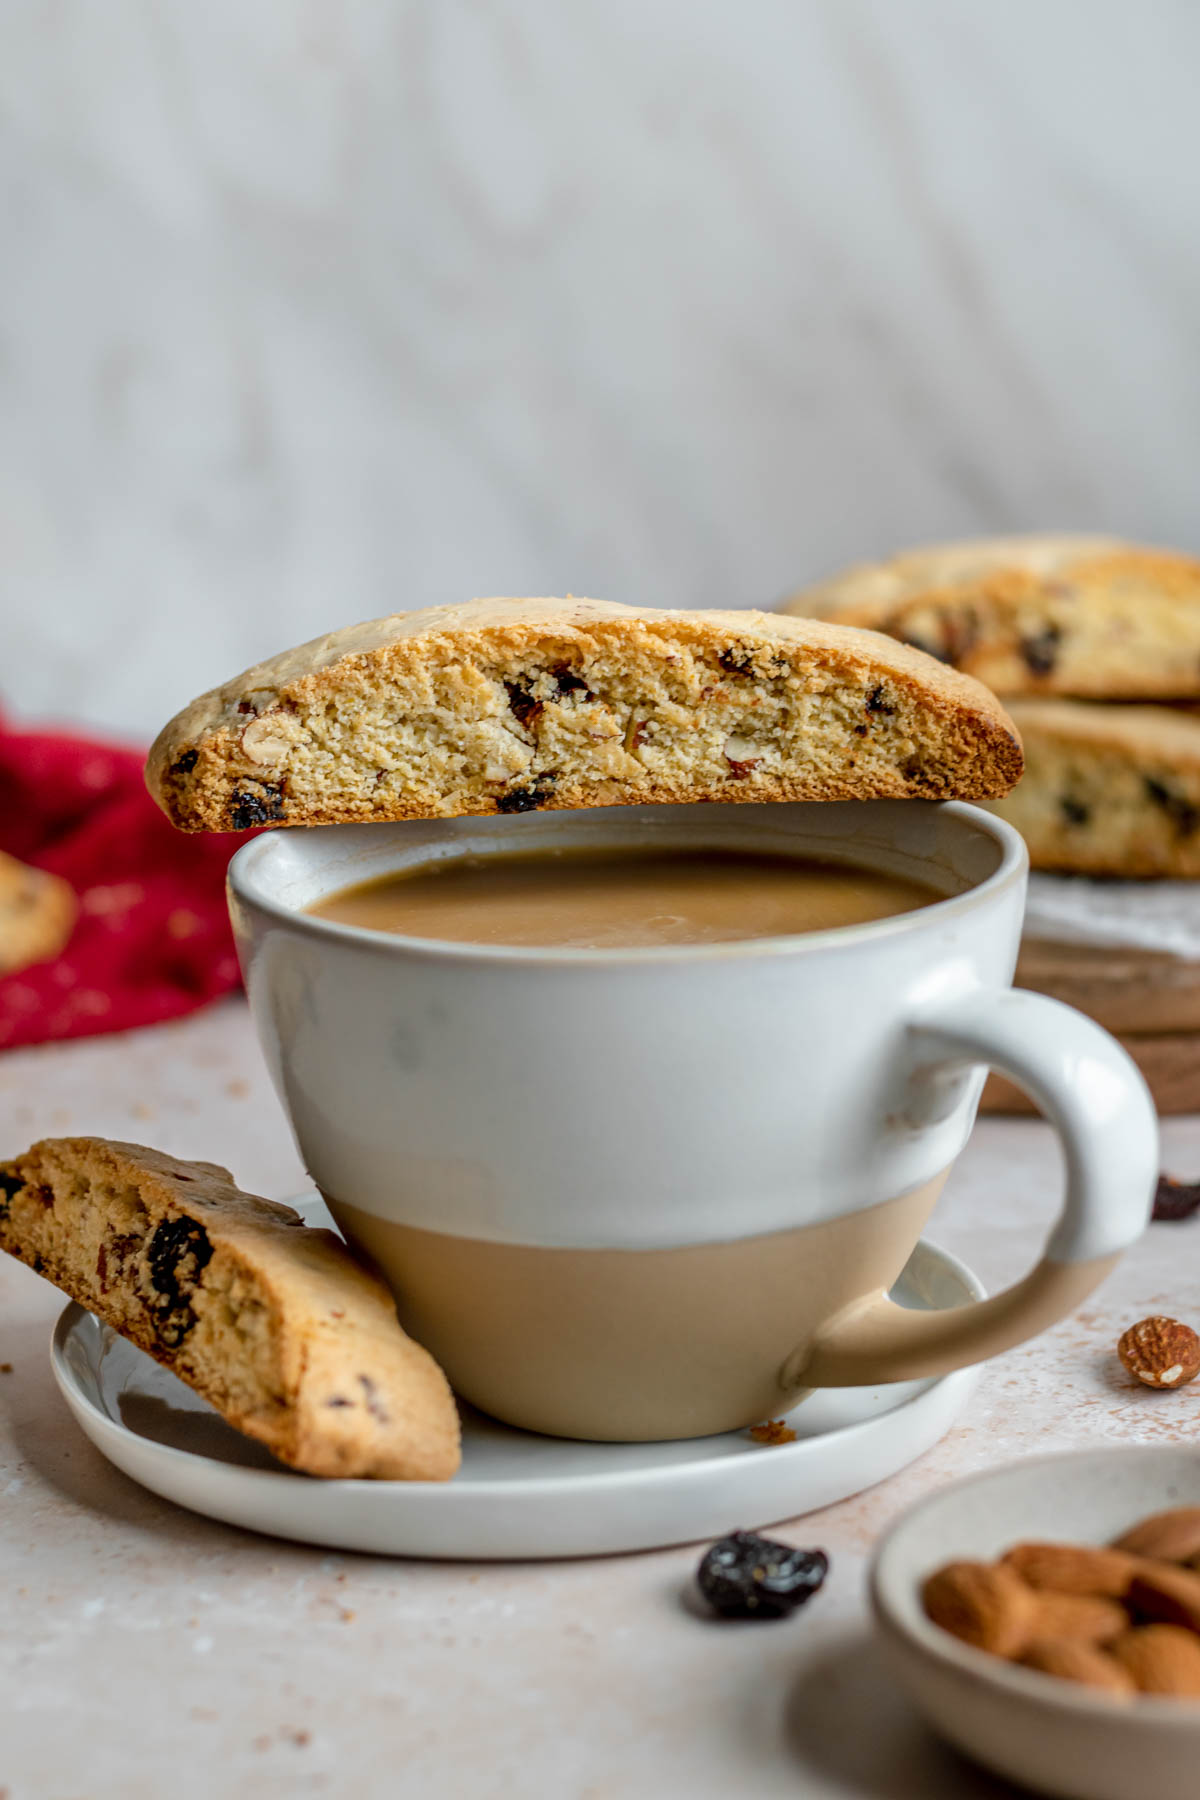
(1162,1659)
(1073,1661)
(1172,1536)
(1161,1352)
(1073,1568)
(985,1604)
(1168,1596)
(263,743)
(1085,1618)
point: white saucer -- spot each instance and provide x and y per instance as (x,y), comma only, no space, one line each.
(517,1494)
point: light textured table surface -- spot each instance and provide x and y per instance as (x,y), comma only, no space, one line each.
(145,1651)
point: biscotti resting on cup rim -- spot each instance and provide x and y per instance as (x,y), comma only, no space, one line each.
(512,705)
(1056,614)
(1108,790)
(272,1321)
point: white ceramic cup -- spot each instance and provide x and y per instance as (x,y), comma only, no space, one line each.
(661,1192)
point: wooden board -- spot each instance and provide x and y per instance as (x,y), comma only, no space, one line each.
(1150,1002)
(1134,991)
(1170,1063)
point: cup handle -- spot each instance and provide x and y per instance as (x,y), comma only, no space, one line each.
(1094,1095)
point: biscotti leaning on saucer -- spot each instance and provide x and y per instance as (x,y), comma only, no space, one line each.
(273,1322)
(511,705)
(1068,615)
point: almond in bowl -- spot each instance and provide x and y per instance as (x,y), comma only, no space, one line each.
(1045,1617)
(1136,1616)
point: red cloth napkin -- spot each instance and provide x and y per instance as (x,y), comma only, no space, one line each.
(153,939)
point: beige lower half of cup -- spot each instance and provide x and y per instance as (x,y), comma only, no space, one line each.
(630,1345)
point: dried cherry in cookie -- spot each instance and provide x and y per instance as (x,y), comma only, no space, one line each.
(248,808)
(568,682)
(176,1253)
(525,707)
(1182,813)
(10,1185)
(528,796)
(1040,649)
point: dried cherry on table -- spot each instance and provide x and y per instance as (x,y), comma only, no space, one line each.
(745,1576)
(1175,1200)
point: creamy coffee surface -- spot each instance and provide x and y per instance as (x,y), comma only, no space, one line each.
(622,899)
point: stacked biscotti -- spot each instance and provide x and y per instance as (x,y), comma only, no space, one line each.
(1095,646)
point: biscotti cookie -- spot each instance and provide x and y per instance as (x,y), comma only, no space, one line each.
(37,915)
(1108,790)
(507,705)
(1089,617)
(273,1322)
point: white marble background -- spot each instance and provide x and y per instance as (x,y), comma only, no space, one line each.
(314,309)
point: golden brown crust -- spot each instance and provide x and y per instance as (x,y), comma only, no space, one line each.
(1108,790)
(508,705)
(37,915)
(1089,617)
(274,1323)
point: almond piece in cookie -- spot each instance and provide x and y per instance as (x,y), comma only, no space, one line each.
(1050,614)
(514,705)
(274,1323)
(37,915)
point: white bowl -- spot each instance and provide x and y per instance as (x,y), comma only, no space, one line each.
(1053,1736)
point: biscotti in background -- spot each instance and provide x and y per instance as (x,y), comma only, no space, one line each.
(1080,617)
(1095,646)
(37,915)
(1071,631)
(1109,790)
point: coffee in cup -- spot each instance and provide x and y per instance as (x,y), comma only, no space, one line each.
(622,899)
